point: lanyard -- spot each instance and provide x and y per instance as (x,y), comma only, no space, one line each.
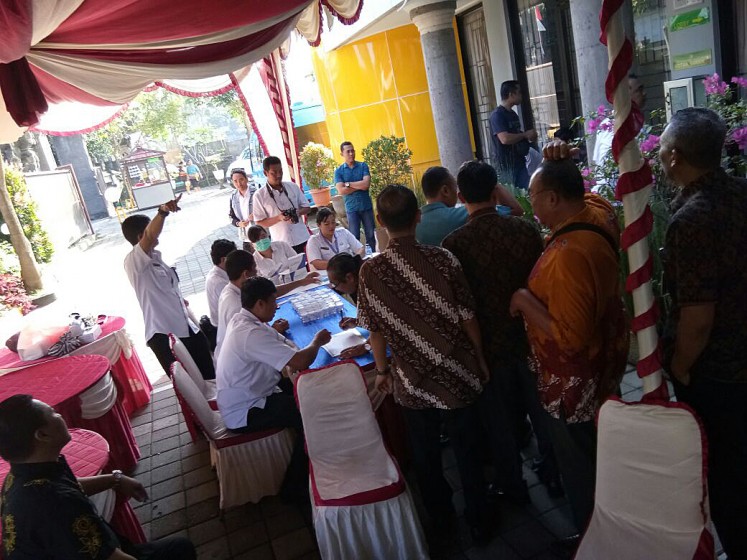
(285,192)
(336,247)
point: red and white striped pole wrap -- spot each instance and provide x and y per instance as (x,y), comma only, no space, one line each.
(270,69)
(634,189)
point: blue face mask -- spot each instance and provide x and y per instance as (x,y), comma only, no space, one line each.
(262,244)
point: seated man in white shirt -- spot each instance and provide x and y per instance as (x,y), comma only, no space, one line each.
(156,286)
(280,207)
(273,257)
(252,393)
(240,266)
(330,241)
(215,281)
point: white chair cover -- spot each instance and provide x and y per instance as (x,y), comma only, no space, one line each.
(99,399)
(105,502)
(207,388)
(361,506)
(248,469)
(651,495)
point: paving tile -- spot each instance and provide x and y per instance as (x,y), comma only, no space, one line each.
(165,403)
(214,550)
(272,505)
(242,516)
(166,488)
(164,412)
(195,461)
(144,439)
(169,504)
(263,552)
(165,444)
(248,537)
(279,525)
(142,429)
(542,501)
(202,511)
(143,465)
(188,448)
(293,545)
(199,476)
(497,548)
(160,474)
(141,419)
(165,457)
(171,523)
(165,427)
(207,531)
(146,531)
(559,521)
(143,513)
(157,396)
(529,539)
(202,492)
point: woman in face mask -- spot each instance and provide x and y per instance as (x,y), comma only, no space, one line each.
(271,256)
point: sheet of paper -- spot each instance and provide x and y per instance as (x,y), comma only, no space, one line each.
(300,289)
(342,341)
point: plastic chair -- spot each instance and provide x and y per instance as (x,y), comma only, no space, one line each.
(181,354)
(651,493)
(249,465)
(360,503)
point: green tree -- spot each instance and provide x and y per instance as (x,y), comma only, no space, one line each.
(388,159)
(25,209)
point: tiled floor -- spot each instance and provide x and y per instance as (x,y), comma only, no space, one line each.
(183,489)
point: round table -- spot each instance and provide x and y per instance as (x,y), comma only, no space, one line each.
(59,383)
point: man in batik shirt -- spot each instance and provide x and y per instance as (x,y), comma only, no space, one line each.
(575,320)
(705,273)
(415,298)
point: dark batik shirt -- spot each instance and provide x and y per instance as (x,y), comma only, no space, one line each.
(47,516)
(704,262)
(497,254)
(417,297)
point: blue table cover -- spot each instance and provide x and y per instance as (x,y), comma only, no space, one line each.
(302,334)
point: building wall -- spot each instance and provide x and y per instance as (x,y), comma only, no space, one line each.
(377,86)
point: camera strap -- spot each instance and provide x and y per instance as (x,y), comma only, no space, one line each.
(285,192)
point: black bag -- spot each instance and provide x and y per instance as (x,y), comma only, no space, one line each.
(210,331)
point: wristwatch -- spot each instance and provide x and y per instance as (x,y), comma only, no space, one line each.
(386,372)
(367,347)
(163,213)
(347,185)
(117,474)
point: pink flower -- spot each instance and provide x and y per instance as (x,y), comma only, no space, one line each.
(740,137)
(601,110)
(606,125)
(589,180)
(649,143)
(715,86)
(593,124)
(741,82)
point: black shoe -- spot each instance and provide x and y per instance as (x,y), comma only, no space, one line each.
(518,496)
(566,548)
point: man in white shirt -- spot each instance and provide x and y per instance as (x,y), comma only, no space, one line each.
(240,266)
(156,286)
(215,281)
(252,393)
(280,206)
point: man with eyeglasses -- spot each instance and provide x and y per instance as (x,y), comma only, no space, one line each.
(575,320)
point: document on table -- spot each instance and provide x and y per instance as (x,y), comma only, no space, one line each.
(301,289)
(342,341)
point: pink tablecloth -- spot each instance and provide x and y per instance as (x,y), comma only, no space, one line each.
(133,385)
(87,453)
(59,383)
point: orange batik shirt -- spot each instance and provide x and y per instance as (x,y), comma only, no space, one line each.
(577,279)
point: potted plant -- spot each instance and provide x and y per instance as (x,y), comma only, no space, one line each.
(317,168)
(388,159)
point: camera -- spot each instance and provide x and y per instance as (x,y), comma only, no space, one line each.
(292,214)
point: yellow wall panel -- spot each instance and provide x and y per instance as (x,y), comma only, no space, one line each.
(406,53)
(364,124)
(420,132)
(361,73)
(319,63)
(335,132)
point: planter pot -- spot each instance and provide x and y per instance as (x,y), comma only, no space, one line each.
(321,196)
(338,203)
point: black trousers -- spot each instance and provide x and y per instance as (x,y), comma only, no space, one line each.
(723,409)
(575,447)
(198,346)
(424,427)
(168,548)
(280,411)
(300,248)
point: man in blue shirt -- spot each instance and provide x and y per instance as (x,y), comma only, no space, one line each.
(353,180)
(440,216)
(510,143)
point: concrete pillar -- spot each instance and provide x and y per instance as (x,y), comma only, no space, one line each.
(44,152)
(72,150)
(435,23)
(591,55)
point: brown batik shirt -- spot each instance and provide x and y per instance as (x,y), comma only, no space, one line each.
(416,296)
(704,262)
(497,254)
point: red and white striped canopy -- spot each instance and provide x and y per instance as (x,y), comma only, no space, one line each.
(102,53)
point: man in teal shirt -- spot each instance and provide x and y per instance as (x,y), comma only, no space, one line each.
(440,216)
(353,180)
